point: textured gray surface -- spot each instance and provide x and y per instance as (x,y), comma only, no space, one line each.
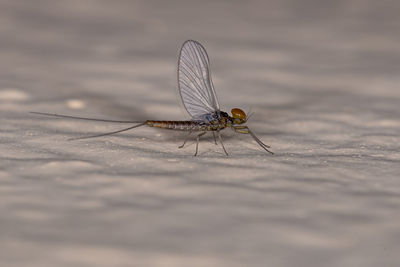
(322,78)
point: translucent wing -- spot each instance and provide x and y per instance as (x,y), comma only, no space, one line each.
(194,79)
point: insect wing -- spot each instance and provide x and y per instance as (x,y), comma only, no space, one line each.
(194,80)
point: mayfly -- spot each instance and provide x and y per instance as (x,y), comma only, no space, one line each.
(199,99)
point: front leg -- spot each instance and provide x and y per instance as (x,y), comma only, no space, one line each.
(246,130)
(241,129)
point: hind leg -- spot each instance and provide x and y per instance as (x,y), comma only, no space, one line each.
(184,142)
(197,141)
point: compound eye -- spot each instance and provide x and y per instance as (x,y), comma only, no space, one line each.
(237,113)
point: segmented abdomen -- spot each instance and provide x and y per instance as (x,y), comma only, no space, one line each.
(179,125)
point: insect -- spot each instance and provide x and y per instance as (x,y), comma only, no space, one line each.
(199,99)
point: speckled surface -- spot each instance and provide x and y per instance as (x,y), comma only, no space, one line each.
(323,81)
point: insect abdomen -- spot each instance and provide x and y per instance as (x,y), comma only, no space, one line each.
(178,125)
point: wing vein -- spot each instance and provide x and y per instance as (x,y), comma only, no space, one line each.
(194,79)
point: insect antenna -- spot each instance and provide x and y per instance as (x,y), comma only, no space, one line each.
(249,116)
(251,113)
(80,118)
(109,133)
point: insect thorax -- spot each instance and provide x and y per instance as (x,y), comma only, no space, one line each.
(217,120)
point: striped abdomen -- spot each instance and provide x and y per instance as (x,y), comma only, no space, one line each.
(179,125)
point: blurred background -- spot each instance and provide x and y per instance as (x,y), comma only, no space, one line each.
(128,49)
(321,76)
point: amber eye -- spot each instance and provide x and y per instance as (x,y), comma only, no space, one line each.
(237,113)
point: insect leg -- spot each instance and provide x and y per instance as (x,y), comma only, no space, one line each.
(197,142)
(215,140)
(184,142)
(260,142)
(222,144)
(246,130)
